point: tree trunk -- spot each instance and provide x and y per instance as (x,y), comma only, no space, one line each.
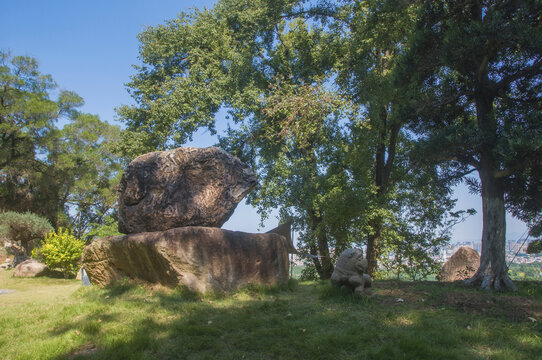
(373,239)
(323,264)
(492,273)
(316,261)
(373,246)
(325,260)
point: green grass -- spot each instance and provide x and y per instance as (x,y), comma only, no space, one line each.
(59,319)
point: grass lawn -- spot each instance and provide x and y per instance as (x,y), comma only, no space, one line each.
(59,319)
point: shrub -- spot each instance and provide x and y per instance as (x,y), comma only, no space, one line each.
(61,251)
(309,273)
(26,229)
(534,247)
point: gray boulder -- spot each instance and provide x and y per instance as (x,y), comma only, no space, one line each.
(30,268)
(350,272)
(181,187)
(201,258)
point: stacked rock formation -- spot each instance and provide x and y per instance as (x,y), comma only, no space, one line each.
(350,272)
(461,265)
(171,205)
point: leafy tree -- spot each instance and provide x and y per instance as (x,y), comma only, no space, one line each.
(83,159)
(324,145)
(376,37)
(25,230)
(27,117)
(474,70)
(68,175)
(107,227)
(238,56)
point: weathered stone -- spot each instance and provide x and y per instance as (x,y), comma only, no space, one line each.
(349,272)
(461,265)
(201,258)
(181,187)
(286,231)
(30,268)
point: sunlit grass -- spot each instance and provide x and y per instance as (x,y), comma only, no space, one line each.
(59,319)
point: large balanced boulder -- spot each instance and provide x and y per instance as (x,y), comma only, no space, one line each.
(350,272)
(30,268)
(461,265)
(181,187)
(201,258)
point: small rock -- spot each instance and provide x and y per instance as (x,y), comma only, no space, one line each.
(399,300)
(209,322)
(532,319)
(30,268)
(469,327)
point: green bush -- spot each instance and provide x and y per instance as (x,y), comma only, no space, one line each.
(309,273)
(534,247)
(25,229)
(61,251)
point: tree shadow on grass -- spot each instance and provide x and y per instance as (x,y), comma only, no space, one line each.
(311,321)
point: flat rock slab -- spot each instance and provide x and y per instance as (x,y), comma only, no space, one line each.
(6,291)
(201,258)
(181,187)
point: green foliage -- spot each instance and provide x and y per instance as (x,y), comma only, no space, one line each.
(475,77)
(61,250)
(24,228)
(108,227)
(531,271)
(309,273)
(68,175)
(534,247)
(294,79)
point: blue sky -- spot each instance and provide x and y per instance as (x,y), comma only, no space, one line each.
(89,47)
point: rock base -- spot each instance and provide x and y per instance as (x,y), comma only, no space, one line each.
(201,258)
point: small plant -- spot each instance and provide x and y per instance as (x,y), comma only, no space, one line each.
(61,251)
(309,273)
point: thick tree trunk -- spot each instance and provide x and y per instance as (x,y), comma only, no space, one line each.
(493,272)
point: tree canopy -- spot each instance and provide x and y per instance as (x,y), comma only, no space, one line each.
(475,71)
(67,174)
(329,155)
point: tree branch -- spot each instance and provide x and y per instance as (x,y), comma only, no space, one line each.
(535,69)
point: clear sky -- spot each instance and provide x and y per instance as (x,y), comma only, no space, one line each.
(89,47)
